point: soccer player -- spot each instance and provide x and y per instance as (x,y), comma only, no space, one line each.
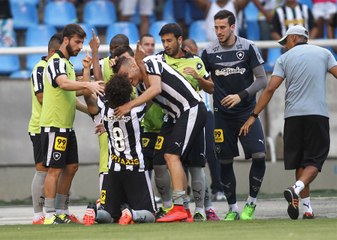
(192,68)
(126,194)
(58,139)
(234,62)
(34,130)
(186,113)
(306,124)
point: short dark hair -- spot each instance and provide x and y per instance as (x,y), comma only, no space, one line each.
(122,49)
(171,28)
(118,90)
(119,39)
(73,29)
(145,35)
(55,41)
(223,14)
(120,62)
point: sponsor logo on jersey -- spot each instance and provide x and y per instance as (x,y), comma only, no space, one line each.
(159,143)
(145,142)
(103,196)
(229,71)
(124,161)
(116,118)
(218,136)
(60,143)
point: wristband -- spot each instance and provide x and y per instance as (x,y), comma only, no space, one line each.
(254,115)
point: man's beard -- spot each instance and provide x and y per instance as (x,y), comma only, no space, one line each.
(71,51)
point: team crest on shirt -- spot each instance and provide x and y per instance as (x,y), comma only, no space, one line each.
(240,55)
(199,66)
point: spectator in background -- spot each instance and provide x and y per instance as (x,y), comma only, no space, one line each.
(148,44)
(289,14)
(180,9)
(128,8)
(7,35)
(211,8)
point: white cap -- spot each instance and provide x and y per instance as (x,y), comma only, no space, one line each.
(294,30)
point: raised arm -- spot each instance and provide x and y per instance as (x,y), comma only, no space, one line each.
(94,45)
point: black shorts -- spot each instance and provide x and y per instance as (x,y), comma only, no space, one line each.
(37,148)
(131,187)
(306,141)
(185,138)
(148,142)
(59,149)
(226,134)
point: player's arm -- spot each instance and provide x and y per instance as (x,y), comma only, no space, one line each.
(94,45)
(153,90)
(205,84)
(139,56)
(333,71)
(264,99)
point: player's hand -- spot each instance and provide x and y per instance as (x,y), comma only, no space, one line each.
(113,61)
(87,60)
(94,41)
(230,100)
(96,87)
(139,54)
(191,71)
(122,110)
(99,129)
(246,127)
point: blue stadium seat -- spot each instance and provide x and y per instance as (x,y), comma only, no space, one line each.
(198,31)
(136,17)
(128,28)
(253,28)
(37,35)
(34,2)
(77,61)
(273,54)
(59,13)
(24,15)
(168,14)
(9,64)
(24,74)
(99,13)
(306,2)
(155,29)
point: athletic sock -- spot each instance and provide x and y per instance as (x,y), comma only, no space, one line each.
(61,204)
(298,187)
(229,182)
(198,186)
(306,205)
(251,200)
(163,182)
(256,174)
(234,207)
(37,189)
(178,197)
(49,206)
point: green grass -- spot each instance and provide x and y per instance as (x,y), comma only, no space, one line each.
(318,229)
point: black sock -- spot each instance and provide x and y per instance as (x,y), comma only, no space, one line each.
(256,175)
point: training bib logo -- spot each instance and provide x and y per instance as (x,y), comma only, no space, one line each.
(218,135)
(159,143)
(60,143)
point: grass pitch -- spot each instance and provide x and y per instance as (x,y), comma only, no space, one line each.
(273,229)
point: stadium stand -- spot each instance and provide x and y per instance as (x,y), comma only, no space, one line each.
(99,13)
(25,14)
(128,28)
(59,13)
(253,29)
(197,31)
(155,28)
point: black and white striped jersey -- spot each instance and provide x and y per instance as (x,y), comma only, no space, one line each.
(177,93)
(125,150)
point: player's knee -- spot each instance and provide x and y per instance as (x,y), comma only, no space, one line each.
(259,156)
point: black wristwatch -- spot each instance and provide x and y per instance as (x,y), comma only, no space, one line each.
(254,115)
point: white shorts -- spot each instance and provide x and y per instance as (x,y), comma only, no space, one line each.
(129,7)
(324,10)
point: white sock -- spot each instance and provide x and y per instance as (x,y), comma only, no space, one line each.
(234,207)
(298,187)
(251,200)
(306,205)
(38,215)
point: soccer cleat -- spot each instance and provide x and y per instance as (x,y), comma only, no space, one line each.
(189,216)
(211,215)
(74,219)
(126,217)
(89,216)
(248,212)
(162,211)
(308,215)
(65,218)
(292,199)
(198,217)
(38,221)
(53,220)
(219,196)
(176,214)
(232,216)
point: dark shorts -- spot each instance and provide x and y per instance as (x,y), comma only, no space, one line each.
(226,134)
(306,141)
(133,188)
(59,149)
(185,138)
(148,142)
(37,148)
